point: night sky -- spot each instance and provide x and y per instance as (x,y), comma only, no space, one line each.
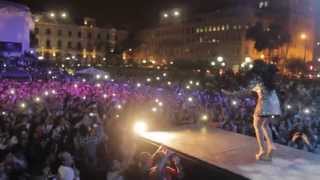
(130,14)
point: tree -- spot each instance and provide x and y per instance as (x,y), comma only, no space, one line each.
(295,66)
(271,38)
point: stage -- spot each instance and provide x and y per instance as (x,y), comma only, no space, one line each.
(235,154)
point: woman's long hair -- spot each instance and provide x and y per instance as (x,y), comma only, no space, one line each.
(267,73)
(269,76)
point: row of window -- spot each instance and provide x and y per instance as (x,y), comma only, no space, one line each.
(220,28)
(69,45)
(70,34)
(182,52)
(263,4)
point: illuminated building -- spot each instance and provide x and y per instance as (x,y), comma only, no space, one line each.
(223,33)
(59,38)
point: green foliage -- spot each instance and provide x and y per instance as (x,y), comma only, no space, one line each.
(269,38)
(190,65)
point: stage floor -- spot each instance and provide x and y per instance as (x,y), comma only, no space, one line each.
(236,153)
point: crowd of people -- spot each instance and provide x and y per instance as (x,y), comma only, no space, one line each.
(81,129)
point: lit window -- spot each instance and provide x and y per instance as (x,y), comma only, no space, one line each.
(206,29)
(239,27)
(318,43)
(261,4)
(222,28)
(227,26)
(201,30)
(235,27)
(214,29)
(210,29)
(266,4)
(197,30)
(218,28)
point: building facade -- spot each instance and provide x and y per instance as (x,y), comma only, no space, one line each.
(58,38)
(223,33)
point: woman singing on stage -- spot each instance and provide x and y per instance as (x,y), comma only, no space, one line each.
(262,82)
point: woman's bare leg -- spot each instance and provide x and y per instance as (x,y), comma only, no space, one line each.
(267,134)
(257,124)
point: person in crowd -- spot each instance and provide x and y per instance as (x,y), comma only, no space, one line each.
(66,170)
(54,113)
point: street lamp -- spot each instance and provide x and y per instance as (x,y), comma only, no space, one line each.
(304,37)
(176,13)
(248,60)
(165,15)
(52,15)
(220,59)
(64,15)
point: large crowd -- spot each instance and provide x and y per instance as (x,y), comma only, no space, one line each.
(80,129)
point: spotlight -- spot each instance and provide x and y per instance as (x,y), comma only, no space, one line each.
(190,99)
(140,127)
(98,76)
